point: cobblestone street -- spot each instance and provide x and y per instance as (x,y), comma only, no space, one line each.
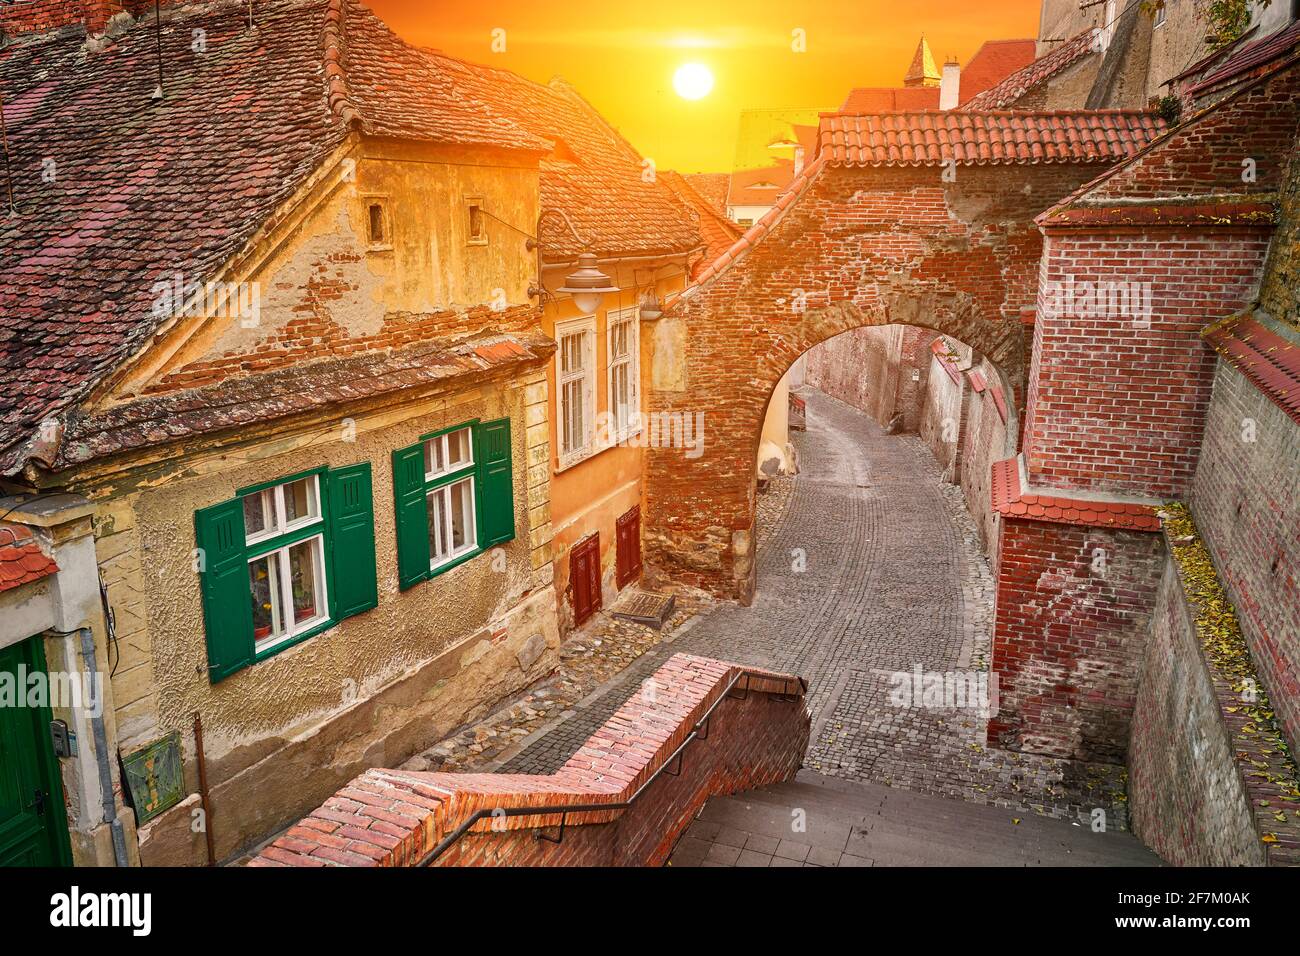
(869,564)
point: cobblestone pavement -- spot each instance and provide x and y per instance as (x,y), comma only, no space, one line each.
(868,565)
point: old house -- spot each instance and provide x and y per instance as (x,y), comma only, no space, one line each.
(272,280)
(603,200)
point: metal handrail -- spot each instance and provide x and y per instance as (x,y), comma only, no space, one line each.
(702,724)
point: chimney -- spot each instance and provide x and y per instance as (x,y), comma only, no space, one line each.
(950,85)
(40,16)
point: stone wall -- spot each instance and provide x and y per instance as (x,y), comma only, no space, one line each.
(756,736)
(1187,799)
(862,368)
(1246,500)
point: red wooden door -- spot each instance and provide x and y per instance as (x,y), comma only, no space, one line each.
(584,578)
(628,564)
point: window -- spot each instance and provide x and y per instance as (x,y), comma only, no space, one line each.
(624,373)
(1160,12)
(575,375)
(449,502)
(454,498)
(477,223)
(286,571)
(378,225)
(284,561)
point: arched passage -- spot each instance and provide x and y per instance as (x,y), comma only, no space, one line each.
(847,247)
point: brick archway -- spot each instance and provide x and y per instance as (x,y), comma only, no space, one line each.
(847,247)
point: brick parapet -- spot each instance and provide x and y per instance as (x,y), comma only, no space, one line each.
(393,818)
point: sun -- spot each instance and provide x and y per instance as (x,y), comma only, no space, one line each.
(693,81)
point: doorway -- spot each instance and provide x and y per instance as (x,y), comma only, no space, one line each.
(33,821)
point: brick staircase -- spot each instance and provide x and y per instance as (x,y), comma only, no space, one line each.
(862,824)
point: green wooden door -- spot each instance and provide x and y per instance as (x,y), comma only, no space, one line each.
(33,822)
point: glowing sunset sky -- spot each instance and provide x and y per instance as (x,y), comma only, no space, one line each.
(621,56)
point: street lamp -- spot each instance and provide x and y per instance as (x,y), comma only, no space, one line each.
(587,284)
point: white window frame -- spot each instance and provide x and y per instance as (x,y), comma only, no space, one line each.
(278,527)
(443,442)
(630,316)
(585,326)
(471,540)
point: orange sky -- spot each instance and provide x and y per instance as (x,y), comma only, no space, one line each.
(621,55)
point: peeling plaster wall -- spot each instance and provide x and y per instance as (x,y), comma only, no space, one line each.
(326,290)
(369,692)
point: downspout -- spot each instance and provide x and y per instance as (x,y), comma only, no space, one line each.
(101,755)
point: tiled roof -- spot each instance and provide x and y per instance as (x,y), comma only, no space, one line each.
(716,231)
(1005,93)
(889,99)
(1267,359)
(712,186)
(933,137)
(279,395)
(117,191)
(994,62)
(1010,502)
(754,234)
(593,174)
(1251,57)
(21,558)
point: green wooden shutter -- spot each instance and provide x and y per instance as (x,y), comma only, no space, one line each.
(227,600)
(353,586)
(412,516)
(496,495)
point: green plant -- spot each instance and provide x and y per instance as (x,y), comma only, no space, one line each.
(1169,108)
(1226,20)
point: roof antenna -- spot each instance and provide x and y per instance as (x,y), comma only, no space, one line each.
(4,143)
(157,93)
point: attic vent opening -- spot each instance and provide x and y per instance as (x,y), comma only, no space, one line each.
(377,228)
(476,222)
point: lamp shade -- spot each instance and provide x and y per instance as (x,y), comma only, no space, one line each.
(587,284)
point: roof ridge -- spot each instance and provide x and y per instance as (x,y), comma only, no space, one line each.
(336,77)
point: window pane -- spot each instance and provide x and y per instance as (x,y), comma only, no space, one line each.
(574,417)
(264,583)
(462,514)
(298,500)
(618,339)
(257,513)
(621,397)
(458,453)
(304,578)
(435,503)
(435,456)
(571,353)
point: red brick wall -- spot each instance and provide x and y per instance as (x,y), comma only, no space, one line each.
(391,818)
(1117,400)
(867,247)
(1070,637)
(35,16)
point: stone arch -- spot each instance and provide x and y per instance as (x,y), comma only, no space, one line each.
(847,247)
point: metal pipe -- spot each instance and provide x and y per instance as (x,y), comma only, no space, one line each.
(202,762)
(101,755)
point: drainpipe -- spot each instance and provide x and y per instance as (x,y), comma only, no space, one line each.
(101,755)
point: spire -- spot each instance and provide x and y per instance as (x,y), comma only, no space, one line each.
(922,72)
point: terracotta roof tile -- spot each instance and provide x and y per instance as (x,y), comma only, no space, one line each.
(716,231)
(592,172)
(282,394)
(21,558)
(1250,57)
(933,137)
(1010,502)
(1267,359)
(117,191)
(889,99)
(1005,93)
(992,63)
(713,187)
